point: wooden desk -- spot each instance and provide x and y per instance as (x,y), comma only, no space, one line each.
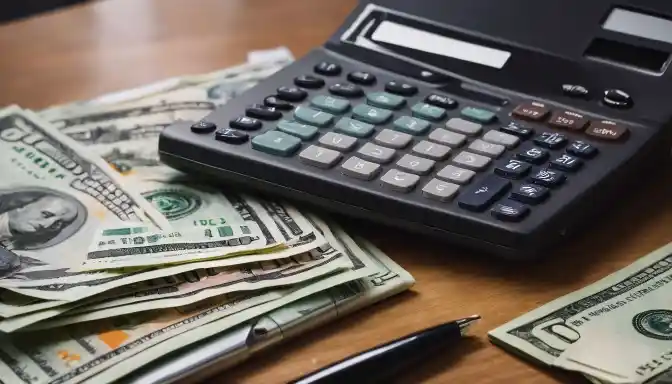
(115,44)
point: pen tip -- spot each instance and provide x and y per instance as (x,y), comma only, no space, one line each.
(467,321)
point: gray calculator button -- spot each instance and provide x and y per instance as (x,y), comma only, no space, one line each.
(360,169)
(376,153)
(446,137)
(432,150)
(505,139)
(440,190)
(319,157)
(399,181)
(385,100)
(463,126)
(313,116)
(455,174)
(411,125)
(488,149)
(371,114)
(354,127)
(415,164)
(337,141)
(392,138)
(471,160)
(330,104)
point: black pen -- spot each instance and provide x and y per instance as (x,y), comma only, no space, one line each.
(380,363)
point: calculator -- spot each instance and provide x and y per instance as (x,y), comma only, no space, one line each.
(503,127)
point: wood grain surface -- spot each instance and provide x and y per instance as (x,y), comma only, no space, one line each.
(85,51)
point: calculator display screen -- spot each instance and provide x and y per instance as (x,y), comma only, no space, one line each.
(639,24)
(408,37)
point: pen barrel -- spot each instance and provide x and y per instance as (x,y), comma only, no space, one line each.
(378,364)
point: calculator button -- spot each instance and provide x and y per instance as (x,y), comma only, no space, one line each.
(471,160)
(309,81)
(400,88)
(262,112)
(411,125)
(530,193)
(509,210)
(505,139)
(231,136)
(531,111)
(488,149)
(568,120)
(463,126)
(548,178)
(245,123)
(319,157)
(346,90)
(337,141)
(313,116)
(276,143)
(274,102)
(354,127)
(415,164)
(360,169)
(441,101)
(399,181)
(371,115)
(203,127)
(607,130)
(575,91)
(385,100)
(393,139)
(480,196)
(512,169)
(330,104)
(376,153)
(517,129)
(533,155)
(616,98)
(328,69)
(302,131)
(360,77)
(582,149)
(291,93)
(439,190)
(455,174)
(428,112)
(566,162)
(448,138)
(550,140)
(480,115)
(432,150)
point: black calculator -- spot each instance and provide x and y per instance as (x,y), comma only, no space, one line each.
(499,126)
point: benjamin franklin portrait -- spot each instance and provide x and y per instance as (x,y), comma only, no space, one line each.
(35,218)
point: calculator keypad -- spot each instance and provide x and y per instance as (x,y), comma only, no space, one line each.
(496,164)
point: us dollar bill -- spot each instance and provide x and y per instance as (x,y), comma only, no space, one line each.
(623,299)
(238,344)
(78,352)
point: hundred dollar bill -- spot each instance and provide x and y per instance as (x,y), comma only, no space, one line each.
(623,299)
(238,344)
(81,351)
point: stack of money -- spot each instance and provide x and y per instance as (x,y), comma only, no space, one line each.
(617,330)
(110,259)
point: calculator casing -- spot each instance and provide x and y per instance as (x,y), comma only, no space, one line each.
(533,74)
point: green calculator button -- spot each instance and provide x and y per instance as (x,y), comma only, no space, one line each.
(276,143)
(352,127)
(313,116)
(371,114)
(428,112)
(302,131)
(330,104)
(411,125)
(478,114)
(385,100)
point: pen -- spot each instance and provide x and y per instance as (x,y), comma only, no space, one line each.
(379,363)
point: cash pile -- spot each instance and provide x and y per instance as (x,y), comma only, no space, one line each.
(617,330)
(110,259)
